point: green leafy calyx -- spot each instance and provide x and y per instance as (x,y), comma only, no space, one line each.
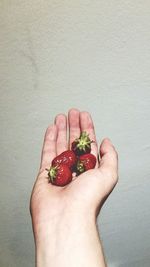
(83,141)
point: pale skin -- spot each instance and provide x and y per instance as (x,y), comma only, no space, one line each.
(64,219)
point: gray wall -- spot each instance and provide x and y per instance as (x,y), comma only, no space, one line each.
(94,56)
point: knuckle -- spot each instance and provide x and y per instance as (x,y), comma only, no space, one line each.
(116,153)
(48,129)
(113,175)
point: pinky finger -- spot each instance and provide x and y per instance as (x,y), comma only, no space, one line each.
(49,147)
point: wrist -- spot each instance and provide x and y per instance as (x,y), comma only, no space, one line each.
(62,223)
(65,233)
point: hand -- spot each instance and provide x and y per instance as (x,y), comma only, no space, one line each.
(87,192)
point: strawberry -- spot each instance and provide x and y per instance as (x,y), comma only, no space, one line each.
(59,175)
(67,157)
(85,163)
(82,145)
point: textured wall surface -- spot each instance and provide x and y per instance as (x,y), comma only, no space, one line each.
(94,56)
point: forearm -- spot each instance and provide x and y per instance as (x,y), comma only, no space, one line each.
(71,242)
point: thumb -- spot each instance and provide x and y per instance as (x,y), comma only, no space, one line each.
(109,163)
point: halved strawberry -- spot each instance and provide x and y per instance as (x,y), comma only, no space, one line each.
(82,145)
(60,175)
(85,163)
(67,157)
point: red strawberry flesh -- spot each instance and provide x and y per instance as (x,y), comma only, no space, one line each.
(67,157)
(85,163)
(60,175)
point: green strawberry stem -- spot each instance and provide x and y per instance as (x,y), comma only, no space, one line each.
(80,167)
(84,141)
(52,172)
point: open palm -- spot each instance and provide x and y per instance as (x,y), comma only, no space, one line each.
(86,192)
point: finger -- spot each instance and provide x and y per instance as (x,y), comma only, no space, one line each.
(49,147)
(61,144)
(109,161)
(87,125)
(74,125)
